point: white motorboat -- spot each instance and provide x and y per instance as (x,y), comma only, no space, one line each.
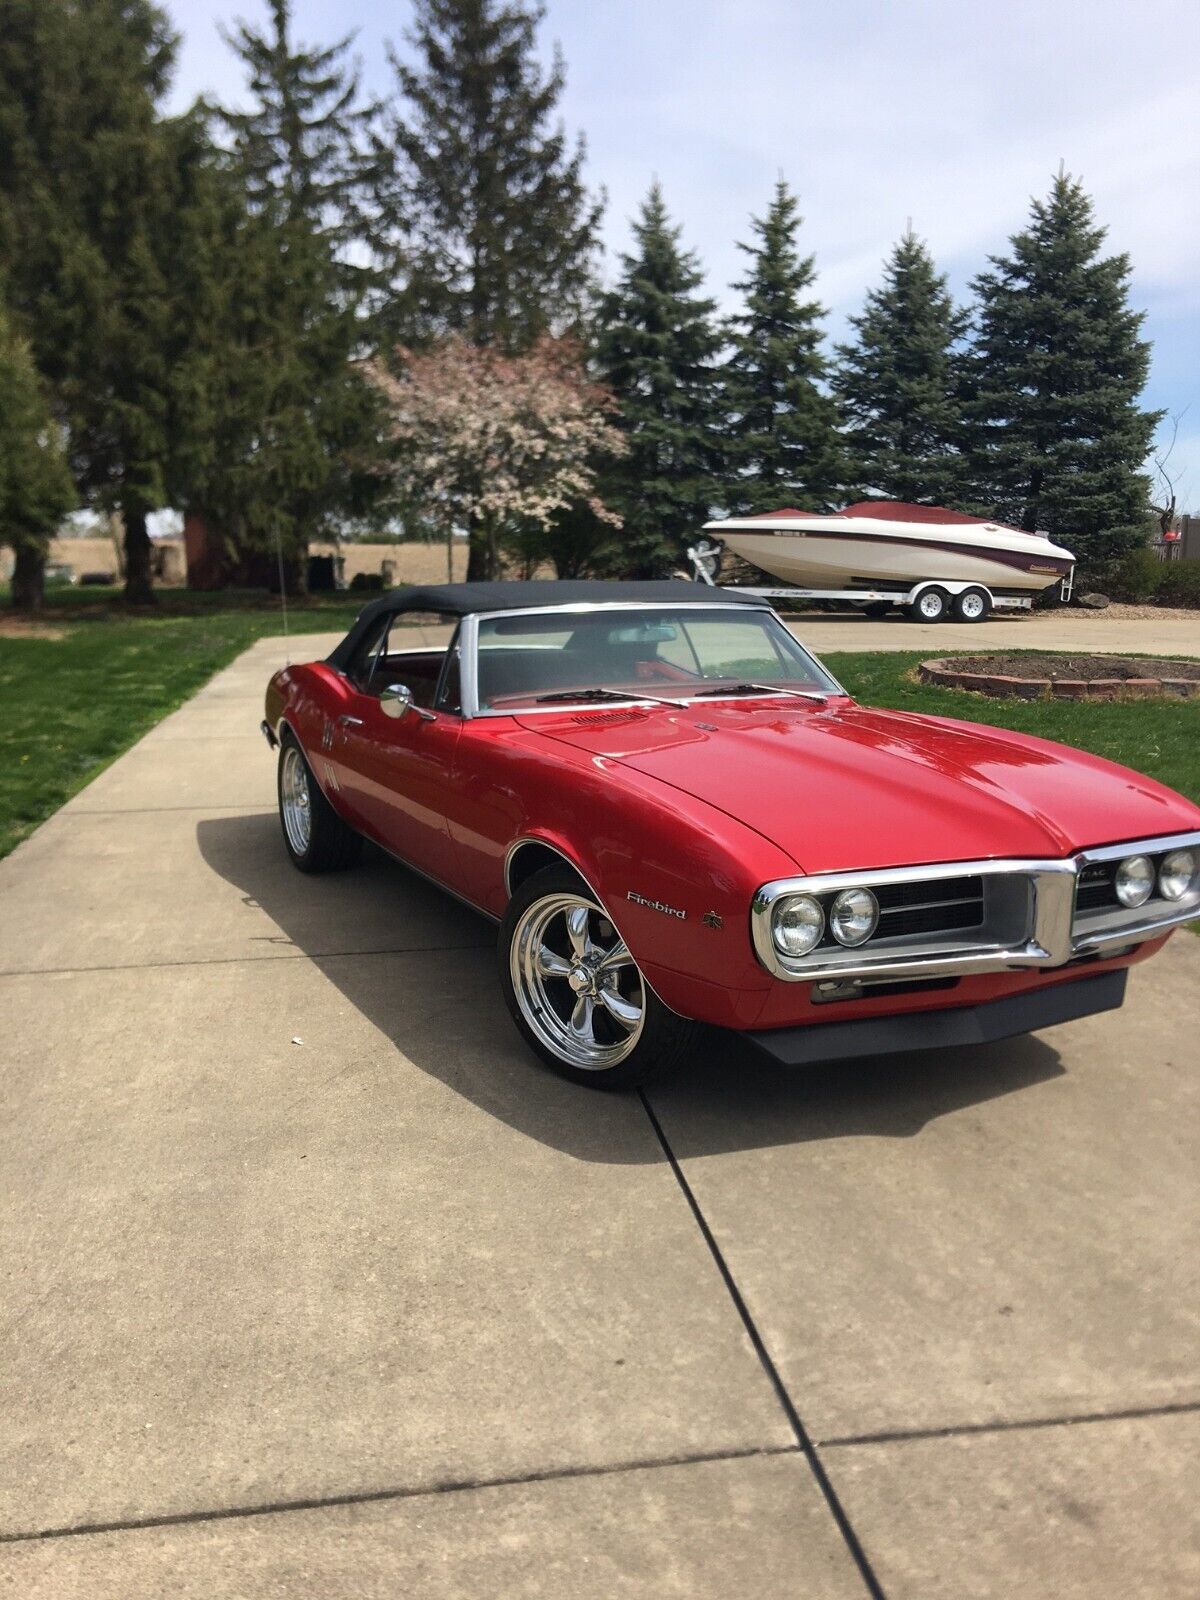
(882,543)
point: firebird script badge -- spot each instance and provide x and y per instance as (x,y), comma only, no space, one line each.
(655,905)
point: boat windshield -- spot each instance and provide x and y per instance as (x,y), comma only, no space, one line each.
(658,653)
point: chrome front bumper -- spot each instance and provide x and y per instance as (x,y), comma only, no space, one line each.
(1030,919)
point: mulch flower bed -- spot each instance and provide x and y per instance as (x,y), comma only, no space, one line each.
(1066,677)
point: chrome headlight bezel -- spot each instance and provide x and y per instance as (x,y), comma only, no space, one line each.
(1134,881)
(815,924)
(868,909)
(1191,872)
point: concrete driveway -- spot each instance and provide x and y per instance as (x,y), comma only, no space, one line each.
(316,1286)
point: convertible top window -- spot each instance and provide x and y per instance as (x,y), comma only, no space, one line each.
(676,654)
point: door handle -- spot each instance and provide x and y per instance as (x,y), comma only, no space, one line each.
(350,722)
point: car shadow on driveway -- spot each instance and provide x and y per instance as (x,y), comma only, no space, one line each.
(454,1025)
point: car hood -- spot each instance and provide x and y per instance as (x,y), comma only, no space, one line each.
(842,787)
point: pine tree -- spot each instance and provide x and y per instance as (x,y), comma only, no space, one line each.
(296,430)
(36,490)
(304,147)
(1057,368)
(85,188)
(657,351)
(484,213)
(784,443)
(899,386)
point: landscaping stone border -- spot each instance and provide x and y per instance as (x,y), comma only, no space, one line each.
(1000,686)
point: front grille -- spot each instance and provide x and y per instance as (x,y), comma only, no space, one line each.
(1096,888)
(947,905)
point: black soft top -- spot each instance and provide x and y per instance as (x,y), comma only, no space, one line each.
(465,599)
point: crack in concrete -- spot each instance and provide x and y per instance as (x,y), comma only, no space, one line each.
(374,1496)
(1018,1425)
(837,1510)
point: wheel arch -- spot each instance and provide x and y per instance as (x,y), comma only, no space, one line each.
(529,854)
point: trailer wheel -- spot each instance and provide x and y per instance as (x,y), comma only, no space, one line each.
(931,605)
(972,605)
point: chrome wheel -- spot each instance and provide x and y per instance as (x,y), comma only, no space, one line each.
(295,801)
(576,983)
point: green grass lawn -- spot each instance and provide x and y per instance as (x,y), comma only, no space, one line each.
(69,706)
(73,704)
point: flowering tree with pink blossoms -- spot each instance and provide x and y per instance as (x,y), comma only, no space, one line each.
(488,441)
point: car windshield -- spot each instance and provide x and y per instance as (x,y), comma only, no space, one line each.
(548,658)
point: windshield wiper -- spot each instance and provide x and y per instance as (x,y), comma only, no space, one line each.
(763,688)
(565,695)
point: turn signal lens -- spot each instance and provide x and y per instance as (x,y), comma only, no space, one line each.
(797,924)
(854,916)
(1134,882)
(1179,875)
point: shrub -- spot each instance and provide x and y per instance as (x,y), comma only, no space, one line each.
(371,582)
(1178,583)
(1135,577)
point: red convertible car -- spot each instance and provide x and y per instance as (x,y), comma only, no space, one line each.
(677,816)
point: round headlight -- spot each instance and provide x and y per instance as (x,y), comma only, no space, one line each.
(797,924)
(1134,882)
(1178,874)
(853,916)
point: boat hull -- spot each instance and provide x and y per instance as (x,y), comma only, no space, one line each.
(846,558)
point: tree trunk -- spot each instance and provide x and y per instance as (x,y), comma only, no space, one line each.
(29,578)
(477,554)
(139,591)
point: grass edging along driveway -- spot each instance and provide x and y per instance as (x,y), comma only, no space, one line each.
(73,703)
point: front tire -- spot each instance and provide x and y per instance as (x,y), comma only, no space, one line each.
(316,838)
(574,991)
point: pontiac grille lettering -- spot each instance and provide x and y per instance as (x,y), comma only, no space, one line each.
(655,905)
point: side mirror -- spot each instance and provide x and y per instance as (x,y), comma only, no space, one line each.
(397,701)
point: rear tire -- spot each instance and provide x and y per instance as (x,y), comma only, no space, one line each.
(972,605)
(576,994)
(315,837)
(931,605)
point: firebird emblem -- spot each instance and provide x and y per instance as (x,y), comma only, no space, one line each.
(656,905)
(712,919)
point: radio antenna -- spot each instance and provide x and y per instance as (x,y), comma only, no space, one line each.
(283,592)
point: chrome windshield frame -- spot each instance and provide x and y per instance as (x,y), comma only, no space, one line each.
(469,644)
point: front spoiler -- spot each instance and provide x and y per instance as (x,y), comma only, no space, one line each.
(933,1030)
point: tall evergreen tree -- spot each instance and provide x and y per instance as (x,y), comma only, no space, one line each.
(295,429)
(36,490)
(784,443)
(657,351)
(484,215)
(86,184)
(899,385)
(304,145)
(1058,366)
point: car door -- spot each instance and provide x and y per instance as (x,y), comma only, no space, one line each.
(396,771)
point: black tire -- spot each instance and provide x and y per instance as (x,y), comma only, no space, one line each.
(662,1037)
(972,605)
(330,844)
(931,605)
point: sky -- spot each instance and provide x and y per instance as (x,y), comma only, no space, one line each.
(950,112)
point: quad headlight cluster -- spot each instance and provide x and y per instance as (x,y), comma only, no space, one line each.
(799,921)
(1136,879)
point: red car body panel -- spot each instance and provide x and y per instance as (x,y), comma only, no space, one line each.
(667,811)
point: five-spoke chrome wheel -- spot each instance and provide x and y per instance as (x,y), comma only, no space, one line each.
(294,799)
(575,982)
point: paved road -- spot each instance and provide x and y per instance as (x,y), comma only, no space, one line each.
(1041,630)
(315,1286)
